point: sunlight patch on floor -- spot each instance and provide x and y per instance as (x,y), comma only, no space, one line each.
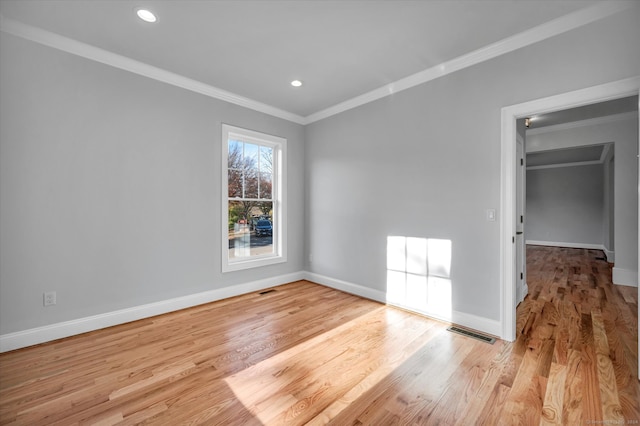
(295,385)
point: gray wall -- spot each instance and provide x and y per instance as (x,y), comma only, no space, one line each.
(425,162)
(566,205)
(110,188)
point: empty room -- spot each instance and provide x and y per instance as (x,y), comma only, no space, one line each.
(319,212)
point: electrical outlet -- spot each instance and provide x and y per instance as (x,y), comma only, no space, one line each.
(49,298)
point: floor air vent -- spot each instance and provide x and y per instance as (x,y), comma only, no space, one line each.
(468,333)
(266,292)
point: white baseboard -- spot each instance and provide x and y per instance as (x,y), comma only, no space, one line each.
(474,322)
(34,336)
(625,277)
(347,287)
(611,255)
(565,244)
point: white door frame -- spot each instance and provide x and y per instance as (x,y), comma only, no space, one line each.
(521,244)
(601,93)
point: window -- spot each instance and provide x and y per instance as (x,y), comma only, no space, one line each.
(253,207)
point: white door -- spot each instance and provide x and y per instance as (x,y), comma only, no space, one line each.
(521,254)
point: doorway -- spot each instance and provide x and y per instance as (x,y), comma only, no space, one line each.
(508,228)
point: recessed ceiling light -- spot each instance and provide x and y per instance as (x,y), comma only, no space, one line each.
(296,83)
(146,15)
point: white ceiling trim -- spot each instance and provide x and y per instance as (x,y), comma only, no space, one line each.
(605,152)
(554,166)
(596,121)
(518,41)
(526,38)
(601,160)
(97,54)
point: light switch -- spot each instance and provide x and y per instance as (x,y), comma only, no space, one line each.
(491,215)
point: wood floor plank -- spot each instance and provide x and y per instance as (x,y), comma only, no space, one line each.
(611,409)
(591,400)
(573,388)
(492,413)
(486,393)
(463,386)
(554,397)
(308,354)
(381,379)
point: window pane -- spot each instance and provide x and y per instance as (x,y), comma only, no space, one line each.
(266,159)
(251,185)
(250,167)
(250,229)
(266,210)
(239,212)
(262,242)
(251,156)
(234,161)
(266,184)
(239,232)
(235,183)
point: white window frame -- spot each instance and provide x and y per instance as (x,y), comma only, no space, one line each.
(279,186)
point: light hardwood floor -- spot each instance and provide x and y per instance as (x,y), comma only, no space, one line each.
(307,354)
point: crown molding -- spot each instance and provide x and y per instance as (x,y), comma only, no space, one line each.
(557,165)
(106,57)
(541,32)
(603,157)
(596,121)
(605,152)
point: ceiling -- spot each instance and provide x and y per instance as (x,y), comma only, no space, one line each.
(340,50)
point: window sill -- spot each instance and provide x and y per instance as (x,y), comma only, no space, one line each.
(240,265)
